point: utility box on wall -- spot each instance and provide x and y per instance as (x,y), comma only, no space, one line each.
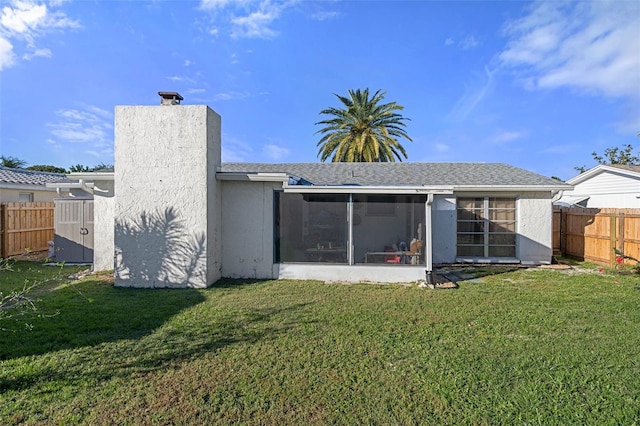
(74,232)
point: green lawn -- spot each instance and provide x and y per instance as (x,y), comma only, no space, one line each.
(514,347)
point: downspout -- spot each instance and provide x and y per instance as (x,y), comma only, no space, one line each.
(428,239)
(84,187)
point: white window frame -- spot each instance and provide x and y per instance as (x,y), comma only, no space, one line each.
(28,195)
(487,225)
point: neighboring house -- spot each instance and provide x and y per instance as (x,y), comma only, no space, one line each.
(604,186)
(184,219)
(19,185)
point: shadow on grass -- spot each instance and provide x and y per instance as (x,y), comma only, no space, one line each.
(237,282)
(102,332)
(459,273)
(90,312)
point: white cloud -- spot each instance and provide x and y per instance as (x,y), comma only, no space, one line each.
(229,96)
(505,136)
(275,152)
(7,57)
(24,22)
(588,46)
(325,15)
(468,42)
(195,91)
(440,147)
(88,130)
(473,96)
(255,25)
(42,53)
(246,18)
(23,17)
(235,150)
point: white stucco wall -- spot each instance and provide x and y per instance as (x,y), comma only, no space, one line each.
(247,215)
(535,228)
(103,226)
(443,216)
(247,234)
(167,229)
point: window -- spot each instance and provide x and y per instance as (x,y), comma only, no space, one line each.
(486,227)
(25,197)
(311,228)
(385,229)
(390,231)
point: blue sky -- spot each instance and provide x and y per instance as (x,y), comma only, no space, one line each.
(538,85)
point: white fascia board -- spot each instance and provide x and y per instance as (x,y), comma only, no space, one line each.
(25,186)
(358,189)
(599,169)
(268,177)
(253,177)
(512,188)
(69,185)
(91,175)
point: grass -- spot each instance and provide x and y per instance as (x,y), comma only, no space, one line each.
(519,347)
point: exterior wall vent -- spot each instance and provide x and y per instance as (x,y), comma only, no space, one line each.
(170,98)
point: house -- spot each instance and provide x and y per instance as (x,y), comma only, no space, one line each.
(182,218)
(20,185)
(604,186)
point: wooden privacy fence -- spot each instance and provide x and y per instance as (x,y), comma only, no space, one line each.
(593,234)
(25,226)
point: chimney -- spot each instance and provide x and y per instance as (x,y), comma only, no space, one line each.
(170,98)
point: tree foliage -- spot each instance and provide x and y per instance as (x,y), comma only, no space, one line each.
(47,168)
(13,162)
(365,130)
(80,168)
(615,155)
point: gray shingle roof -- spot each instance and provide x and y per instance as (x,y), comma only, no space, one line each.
(400,174)
(28,177)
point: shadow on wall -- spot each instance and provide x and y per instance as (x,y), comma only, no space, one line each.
(156,250)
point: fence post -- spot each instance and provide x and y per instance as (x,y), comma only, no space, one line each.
(563,230)
(612,235)
(621,220)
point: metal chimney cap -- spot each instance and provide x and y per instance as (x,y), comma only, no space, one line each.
(170,98)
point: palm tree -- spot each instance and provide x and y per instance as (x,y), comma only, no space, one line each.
(364,131)
(12,162)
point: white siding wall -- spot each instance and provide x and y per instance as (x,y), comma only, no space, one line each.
(608,189)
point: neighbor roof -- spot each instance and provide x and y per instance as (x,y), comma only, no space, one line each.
(632,172)
(28,177)
(401,174)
